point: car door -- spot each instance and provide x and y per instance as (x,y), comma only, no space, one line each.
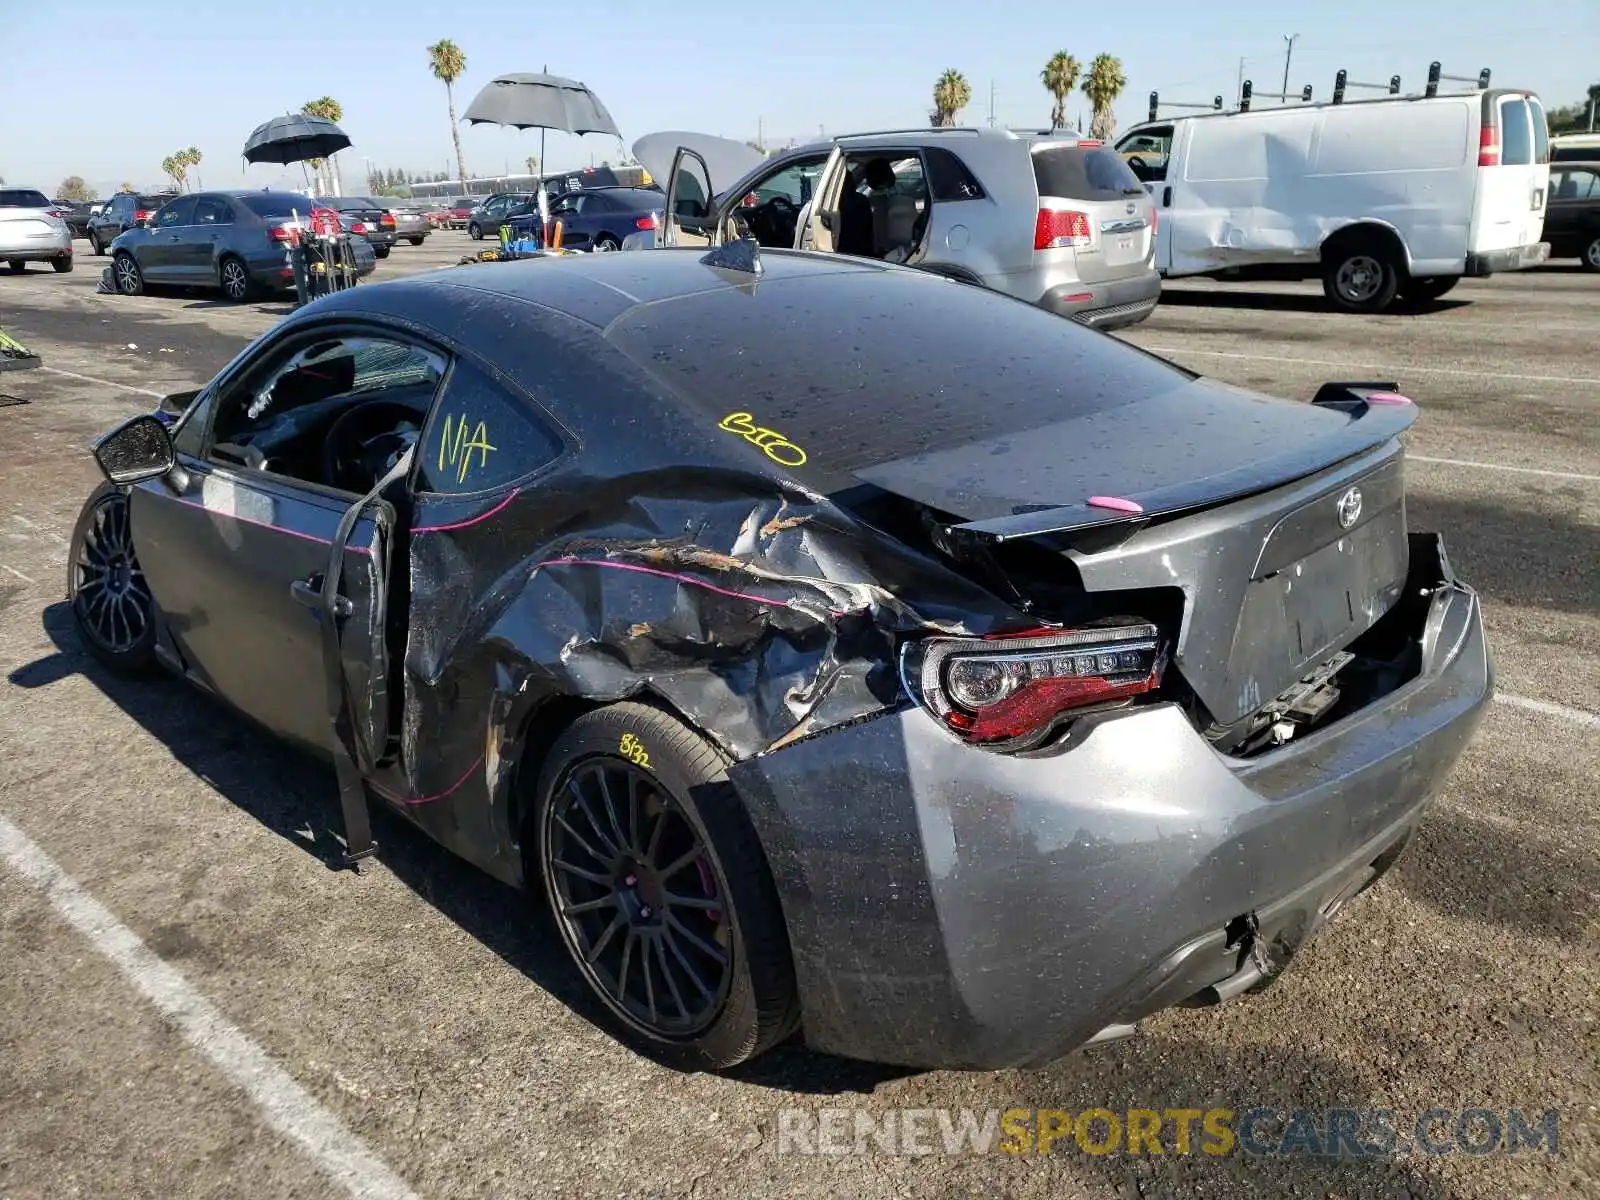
(161,258)
(237,542)
(203,240)
(688,217)
(1573,218)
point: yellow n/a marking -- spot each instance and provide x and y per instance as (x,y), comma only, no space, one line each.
(456,446)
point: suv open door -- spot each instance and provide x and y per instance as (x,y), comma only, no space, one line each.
(694,166)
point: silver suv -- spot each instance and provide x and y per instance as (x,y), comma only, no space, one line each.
(1050,218)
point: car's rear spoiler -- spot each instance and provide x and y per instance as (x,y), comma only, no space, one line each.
(1377,414)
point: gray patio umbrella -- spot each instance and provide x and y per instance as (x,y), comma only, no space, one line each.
(524,101)
(295,138)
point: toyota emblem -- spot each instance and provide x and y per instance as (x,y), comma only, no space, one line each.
(1349,508)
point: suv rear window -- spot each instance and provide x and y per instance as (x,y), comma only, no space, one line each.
(277,206)
(1075,173)
(23,198)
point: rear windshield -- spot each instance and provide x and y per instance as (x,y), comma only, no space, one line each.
(935,366)
(155,201)
(277,206)
(23,198)
(1074,173)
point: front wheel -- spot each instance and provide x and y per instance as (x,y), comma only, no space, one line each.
(1591,255)
(1360,279)
(130,280)
(474,232)
(94,243)
(661,891)
(111,602)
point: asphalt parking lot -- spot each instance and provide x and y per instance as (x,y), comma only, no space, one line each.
(287,1030)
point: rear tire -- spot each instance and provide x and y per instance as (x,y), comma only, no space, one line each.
(234,277)
(95,245)
(474,232)
(680,873)
(1420,291)
(16,266)
(111,604)
(606,243)
(1359,276)
(125,270)
(380,251)
(415,241)
(1591,256)
(62,264)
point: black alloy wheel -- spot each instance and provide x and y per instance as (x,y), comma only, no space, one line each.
(111,601)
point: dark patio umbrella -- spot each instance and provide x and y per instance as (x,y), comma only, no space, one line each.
(295,138)
(540,102)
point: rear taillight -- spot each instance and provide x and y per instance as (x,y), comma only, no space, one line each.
(1488,147)
(140,216)
(1155,221)
(1012,691)
(282,233)
(1058,227)
(648,221)
(358,227)
(387,220)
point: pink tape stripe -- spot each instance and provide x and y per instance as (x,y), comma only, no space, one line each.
(1115,504)
(515,492)
(1387,398)
(686,580)
(413,801)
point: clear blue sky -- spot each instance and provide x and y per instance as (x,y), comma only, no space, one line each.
(158,75)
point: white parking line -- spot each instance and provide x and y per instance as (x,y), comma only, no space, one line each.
(1577,716)
(287,1106)
(1483,466)
(127,387)
(17,573)
(1392,372)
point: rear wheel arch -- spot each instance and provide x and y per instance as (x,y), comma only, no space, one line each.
(1374,235)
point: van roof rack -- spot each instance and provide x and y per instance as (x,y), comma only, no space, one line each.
(1436,73)
(1342,80)
(1156,105)
(1247,92)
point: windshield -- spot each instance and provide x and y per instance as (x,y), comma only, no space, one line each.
(23,198)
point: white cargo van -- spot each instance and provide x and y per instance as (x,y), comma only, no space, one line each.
(1401,195)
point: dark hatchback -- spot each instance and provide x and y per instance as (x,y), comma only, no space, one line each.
(236,242)
(958,694)
(124,211)
(1572,217)
(594,218)
(365,217)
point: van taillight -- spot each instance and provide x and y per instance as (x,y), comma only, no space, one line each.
(1488,147)
(1057,227)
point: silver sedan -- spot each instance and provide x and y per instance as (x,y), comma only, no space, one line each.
(31,230)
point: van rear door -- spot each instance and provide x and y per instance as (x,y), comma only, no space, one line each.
(1513,184)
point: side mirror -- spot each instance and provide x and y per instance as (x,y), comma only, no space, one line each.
(139,449)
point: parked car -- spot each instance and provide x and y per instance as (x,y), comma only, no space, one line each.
(32,230)
(76,214)
(460,210)
(1572,223)
(1050,218)
(487,217)
(1399,196)
(364,216)
(235,241)
(879,729)
(592,219)
(1575,147)
(124,211)
(410,223)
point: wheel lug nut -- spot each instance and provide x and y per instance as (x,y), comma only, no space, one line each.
(630,881)
(644,910)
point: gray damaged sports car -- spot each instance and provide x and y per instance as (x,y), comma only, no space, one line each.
(834,647)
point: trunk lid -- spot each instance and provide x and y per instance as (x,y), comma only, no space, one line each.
(1098,183)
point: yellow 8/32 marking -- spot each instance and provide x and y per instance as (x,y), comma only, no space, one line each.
(773,444)
(633,750)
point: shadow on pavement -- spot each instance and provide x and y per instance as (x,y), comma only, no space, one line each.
(296,798)
(1284,302)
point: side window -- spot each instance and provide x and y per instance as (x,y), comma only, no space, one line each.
(1146,153)
(177,213)
(1541,131)
(1516,136)
(949,177)
(122,206)
(794,183)
(480,436)
(280,413)
(1585,185)
(212,210)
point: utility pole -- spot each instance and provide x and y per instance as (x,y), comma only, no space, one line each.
(1238,86)
(1594,102)
(1287,55)
(761,134)
(991,104)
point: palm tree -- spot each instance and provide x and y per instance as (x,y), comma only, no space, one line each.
(175,170)
(447,62)
(950,95)
(330,109)
(189,158)
(1060,76)
(532,164)
(1103,84)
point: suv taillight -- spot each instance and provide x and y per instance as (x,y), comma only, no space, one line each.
(1488,148)
(140,216)
(1058,227)
(1012,690)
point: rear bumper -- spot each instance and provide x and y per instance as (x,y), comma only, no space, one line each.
(1515,258)
(37,249)
(952,907)
(1106,305)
